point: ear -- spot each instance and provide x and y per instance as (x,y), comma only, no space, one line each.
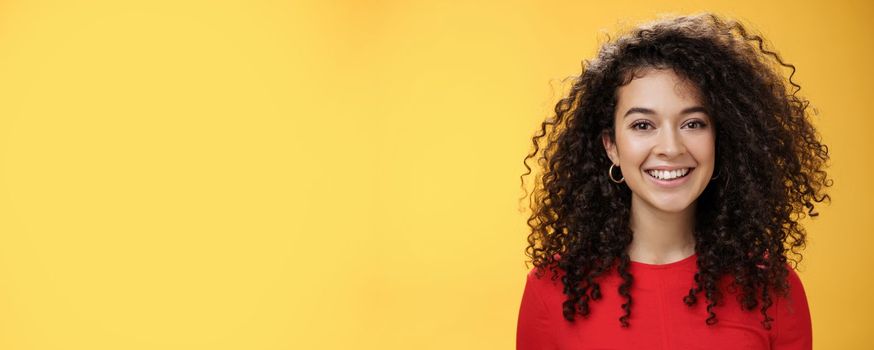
(610,147)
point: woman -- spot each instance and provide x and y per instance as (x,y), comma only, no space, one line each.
(674,176)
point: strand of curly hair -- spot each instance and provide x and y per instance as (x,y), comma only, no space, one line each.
(768,155)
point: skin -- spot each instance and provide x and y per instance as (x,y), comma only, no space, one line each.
(662,219)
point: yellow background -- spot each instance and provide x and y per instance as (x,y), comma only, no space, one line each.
(336,174)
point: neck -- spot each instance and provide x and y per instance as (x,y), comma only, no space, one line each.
(661,237)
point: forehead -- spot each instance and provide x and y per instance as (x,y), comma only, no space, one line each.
(658,89)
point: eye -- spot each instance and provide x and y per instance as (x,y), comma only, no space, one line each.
(697,123)
(636,125)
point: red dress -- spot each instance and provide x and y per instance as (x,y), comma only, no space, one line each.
(659,319)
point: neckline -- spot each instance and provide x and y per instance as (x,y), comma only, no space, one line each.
(689,260)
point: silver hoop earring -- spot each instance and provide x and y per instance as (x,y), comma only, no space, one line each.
(610,175)
(715,177)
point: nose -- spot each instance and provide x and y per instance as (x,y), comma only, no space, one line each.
(670,144)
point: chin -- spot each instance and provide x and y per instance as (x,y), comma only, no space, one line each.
(673,208)
(669,206)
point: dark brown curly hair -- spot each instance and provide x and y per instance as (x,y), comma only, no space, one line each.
(769,159)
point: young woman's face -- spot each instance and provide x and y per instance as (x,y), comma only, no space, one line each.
(661,124)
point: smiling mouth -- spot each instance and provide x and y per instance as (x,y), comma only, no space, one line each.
(669,175)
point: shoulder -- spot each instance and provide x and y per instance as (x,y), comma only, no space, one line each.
(796,296)
(544,275)
(792,317)
(794,279)
(547,272)
(536,317)
(546,282)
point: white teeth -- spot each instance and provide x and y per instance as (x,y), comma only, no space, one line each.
(668,175)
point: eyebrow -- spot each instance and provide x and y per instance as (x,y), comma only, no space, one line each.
(648,111)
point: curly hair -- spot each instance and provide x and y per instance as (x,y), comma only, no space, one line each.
(768,155)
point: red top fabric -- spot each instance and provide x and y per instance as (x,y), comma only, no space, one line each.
(659,319)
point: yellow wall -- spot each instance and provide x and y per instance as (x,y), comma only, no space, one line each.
(335,174)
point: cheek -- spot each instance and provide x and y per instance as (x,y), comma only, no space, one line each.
(633,152)
(704,150)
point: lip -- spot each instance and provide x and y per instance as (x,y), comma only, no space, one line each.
(669,183)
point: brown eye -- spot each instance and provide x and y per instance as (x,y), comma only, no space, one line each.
(636,126)
(698,124)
